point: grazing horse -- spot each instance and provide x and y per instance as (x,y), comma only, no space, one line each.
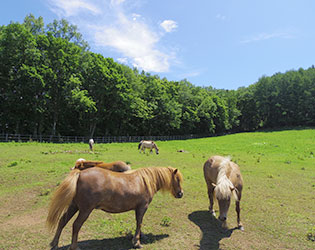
(91,143)
(148,144)
(117,166)
(96,188)
(223,178)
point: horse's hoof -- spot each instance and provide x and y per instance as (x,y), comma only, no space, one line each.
(212,213)
(54,246)
(241,228)
(138,246)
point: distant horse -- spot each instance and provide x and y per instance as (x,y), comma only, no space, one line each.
(148,144)
(117,166)
(223,178)
(96,188)
(91,144)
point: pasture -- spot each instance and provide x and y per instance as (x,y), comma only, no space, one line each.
(277,207)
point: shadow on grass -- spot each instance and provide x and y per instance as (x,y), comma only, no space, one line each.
(118,243)
(211,229)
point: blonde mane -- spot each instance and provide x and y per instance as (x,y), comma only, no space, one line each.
(224,185)
(157,178)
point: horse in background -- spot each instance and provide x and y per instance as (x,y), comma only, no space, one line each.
(112,192)
(148,144)
(116,166)
(91,144)
(224,180)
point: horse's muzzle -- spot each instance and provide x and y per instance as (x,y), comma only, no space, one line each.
(222,219)
(179,194)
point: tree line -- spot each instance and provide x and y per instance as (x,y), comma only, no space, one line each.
(52,84)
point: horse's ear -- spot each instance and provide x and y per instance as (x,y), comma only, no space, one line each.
(175,171)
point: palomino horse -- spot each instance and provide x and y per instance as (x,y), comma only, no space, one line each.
(96,188)
(117,166)
(148,144)
(223,178)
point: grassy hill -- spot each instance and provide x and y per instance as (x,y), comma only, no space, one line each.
(277,207)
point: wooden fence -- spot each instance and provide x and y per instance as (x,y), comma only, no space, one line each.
(85,139)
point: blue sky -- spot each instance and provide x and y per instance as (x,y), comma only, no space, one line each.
(220,43)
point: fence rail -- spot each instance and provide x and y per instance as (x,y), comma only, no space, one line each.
(97,139)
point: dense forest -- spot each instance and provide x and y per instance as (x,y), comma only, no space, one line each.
(52,84)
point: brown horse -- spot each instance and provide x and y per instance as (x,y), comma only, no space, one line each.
(223,178)
(96,188)
(117,166)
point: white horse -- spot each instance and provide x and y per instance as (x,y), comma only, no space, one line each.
(148,144)
(91,143)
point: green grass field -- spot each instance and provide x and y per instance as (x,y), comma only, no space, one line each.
(277,207)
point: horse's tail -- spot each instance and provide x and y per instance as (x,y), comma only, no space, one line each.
(62,198)
(139,145)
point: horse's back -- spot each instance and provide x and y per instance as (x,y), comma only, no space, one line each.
(211,169)
(110,191)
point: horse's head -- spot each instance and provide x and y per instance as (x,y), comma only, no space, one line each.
(224,205)
(177,180)
(156,148)
(78,164)
(223,195)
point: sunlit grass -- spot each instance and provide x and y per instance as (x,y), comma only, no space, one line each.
(277,205)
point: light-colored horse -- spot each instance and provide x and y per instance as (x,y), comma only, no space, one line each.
(223,178)
(148,144)
(91,144)
(116,166)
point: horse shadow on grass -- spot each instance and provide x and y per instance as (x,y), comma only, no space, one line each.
(118,243)
(211,229)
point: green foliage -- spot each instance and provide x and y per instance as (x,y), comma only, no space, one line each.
(166,221)
(51,84)
(13,164)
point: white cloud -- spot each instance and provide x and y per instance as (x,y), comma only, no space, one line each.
(69,8)
(267,36)
(221,17)
(114,26)
(169,25)
(134,40)
(123,60)
(135,16)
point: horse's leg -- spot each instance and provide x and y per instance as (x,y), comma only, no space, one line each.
(62,223)
(238,210)
(210,195)
(139,216)
(83,215)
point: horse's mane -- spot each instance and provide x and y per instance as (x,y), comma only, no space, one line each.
(157,178)
(224,185)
